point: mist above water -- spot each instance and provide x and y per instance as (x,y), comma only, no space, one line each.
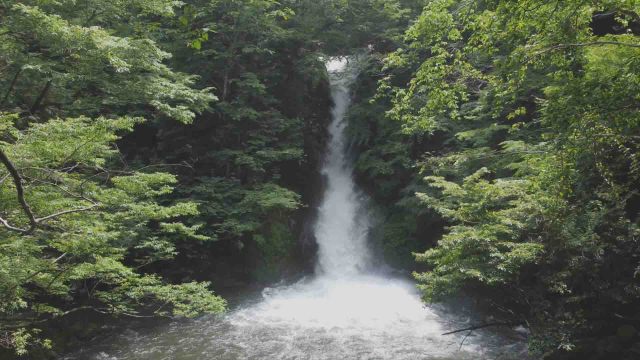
(347,311)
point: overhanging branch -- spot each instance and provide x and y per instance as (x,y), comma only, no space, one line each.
(17,181)
(33,221)
(49,217)
(478,327)
(13,228)
(591,43)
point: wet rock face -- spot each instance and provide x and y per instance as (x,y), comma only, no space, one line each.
(606,23)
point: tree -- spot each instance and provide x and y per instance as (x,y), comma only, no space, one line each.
(58,60)
(80,226)
(79,229)
(538,177)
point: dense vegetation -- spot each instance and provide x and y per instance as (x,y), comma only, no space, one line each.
(150,147)
(516,125)
(155,150)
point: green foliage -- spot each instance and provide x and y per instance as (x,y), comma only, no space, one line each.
(90,214)
(276,244)
(344,25)
(535,163)
(92,220)
(233,210)
(384,166)
(487,244)
(58,59)
(100,221)
(247,160)
(508,131)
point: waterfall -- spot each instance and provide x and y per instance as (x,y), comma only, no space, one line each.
(341,229)
(344,312)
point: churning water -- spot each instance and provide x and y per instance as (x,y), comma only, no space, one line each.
(346,311)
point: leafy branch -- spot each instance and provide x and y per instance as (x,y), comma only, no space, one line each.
(17,180)
(591,43)
(34,222)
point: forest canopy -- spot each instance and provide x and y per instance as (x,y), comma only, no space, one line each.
(155,153)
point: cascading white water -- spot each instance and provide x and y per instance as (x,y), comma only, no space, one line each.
(341,229)
(345,312)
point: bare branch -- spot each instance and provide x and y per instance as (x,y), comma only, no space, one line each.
(17,180)
(477,327)
(36,105)
(13,228)
(11,86)
(4,178)
(33,221)
(464,339)
(49,217)
(62,189)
